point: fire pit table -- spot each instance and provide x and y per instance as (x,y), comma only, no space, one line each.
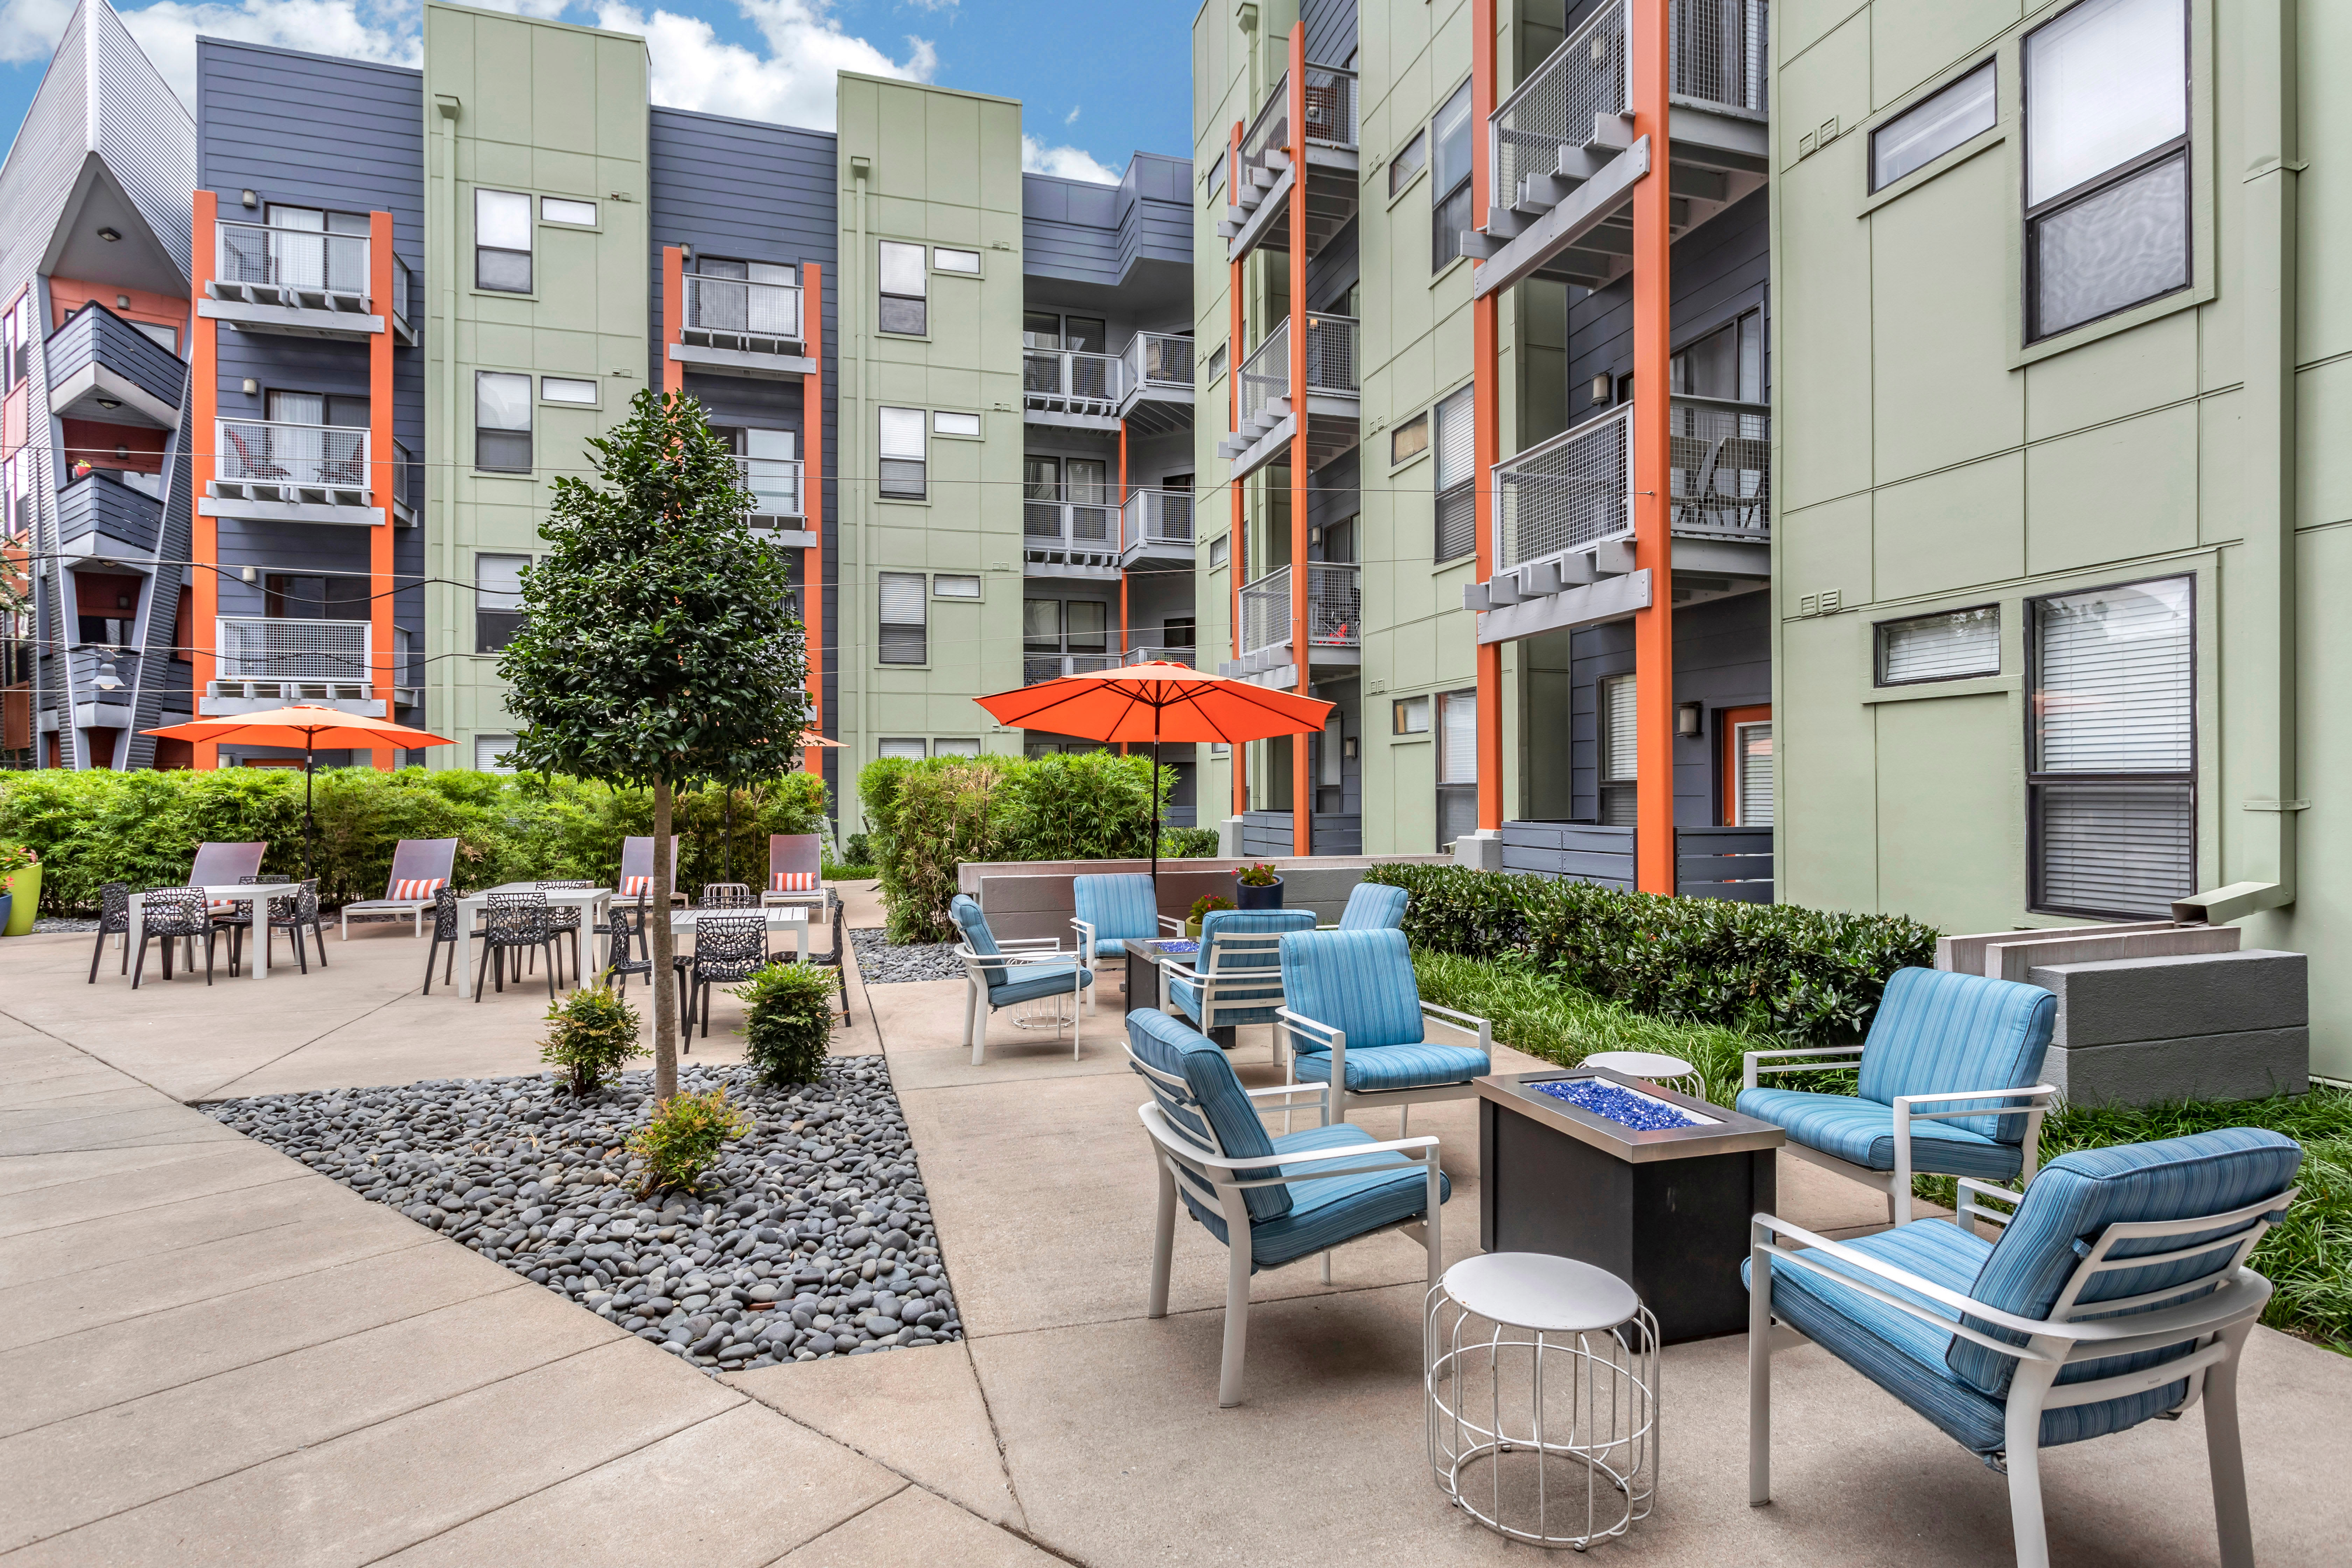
(1654,1186)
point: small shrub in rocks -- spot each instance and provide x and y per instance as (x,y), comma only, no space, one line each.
(591,1033)
(680,1139)
(810,1236)
(787,1019)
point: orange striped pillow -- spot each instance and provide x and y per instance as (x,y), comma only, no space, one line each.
(633,886)
(416,887)
(793,882)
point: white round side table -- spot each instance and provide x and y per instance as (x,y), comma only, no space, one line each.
(1541,1398)
(1655,1066)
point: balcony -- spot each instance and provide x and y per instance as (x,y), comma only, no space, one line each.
(1563,519)
(1188,656)
(1563,161)
(279,472)
(1335,619)
(103,522)
(1036,669)
(101,367)
(1156,525)
(1064,538)
(730,327)
(303,283)
(1269,420)
(777,514)
(1156,383)
(1258,209)
(103,685)
(1071,390)
(265,662)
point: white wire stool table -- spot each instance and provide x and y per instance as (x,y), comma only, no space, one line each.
(1541,1398)
(1655,1066)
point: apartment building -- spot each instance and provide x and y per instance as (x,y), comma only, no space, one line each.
(1516,258)
(94,395)
(2062,497)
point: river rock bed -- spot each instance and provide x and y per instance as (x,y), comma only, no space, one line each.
(811,1237)
(880,964)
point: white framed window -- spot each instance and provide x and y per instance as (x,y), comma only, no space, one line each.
(1218,548)
(565,210)
(947,422)
(2112,748)
(1408,439)
(488,753)
(1752,785)
(1457,766)
(1953,645)
(1919,135)
(912,748)
(955,586)
(1409,716)
(956,746)
(1449,183)
(903,619)
(1410,160)
(502,241)
(498,600)
(580,392)
(904,304)
(904,472)
(1620,737)
(1457,500)
(2107,160)
(501,422)
(947,260)
(1216,366)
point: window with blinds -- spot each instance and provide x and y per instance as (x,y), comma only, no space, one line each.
(1752,748)
(2113,749)
(911,748)
(489,753)
(904,637)
(1457,754)
(1940,647)
(1619,772)
(1456,469)
(904,306)
(904,471)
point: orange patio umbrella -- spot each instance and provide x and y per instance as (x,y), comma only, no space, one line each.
(1158,701)
(310,726)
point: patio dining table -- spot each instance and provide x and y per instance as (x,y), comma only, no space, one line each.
(263,894)
(591,902)
(794,918)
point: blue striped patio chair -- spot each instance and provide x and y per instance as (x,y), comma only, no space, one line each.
(1269,1200)
(1945,1085)
(1236,977)
(1355,1018)
(1113,911)
(1004,973)
(2117,1291)
(1373,906)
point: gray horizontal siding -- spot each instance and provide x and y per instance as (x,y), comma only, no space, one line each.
(1266,835)
(1723,658)
(1720,270)
(1087,233)
(100,505)
(1733,863)
(96,334)
(1330,30)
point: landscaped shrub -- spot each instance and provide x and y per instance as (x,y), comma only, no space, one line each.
(1811,976)
(591,1034)
(683,1136)
(787,1019)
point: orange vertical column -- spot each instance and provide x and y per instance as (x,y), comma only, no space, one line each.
(1302,796)
(1653,628)
(812,476)
(204,410)
(1122,553)
(1487,420)
(384,477)
(1236,546)
(673,371)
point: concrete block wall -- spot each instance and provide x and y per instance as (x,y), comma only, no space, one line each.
(2223,1025)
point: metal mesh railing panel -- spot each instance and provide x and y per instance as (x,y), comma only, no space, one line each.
(1588,74)
(293,257)
(1160,358)
(1271,128)
(1090,524)
(1718,51)
(774,484)
(259,450)
(1091,376)
(1266,374)
(252,647)
(1335,603)
(735,305)
(1331,353)
(1265,612)
(1160,517)
(1720,455)
(1567,493)
(1041,519)
(1330,105)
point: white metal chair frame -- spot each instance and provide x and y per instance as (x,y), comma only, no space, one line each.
(1083,939)
(2219,1320)
(1203,1169)
(1204,972)
(1897,1184)
(1012,951)
(1289,1026)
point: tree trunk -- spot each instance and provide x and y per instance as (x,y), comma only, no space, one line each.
(664,943)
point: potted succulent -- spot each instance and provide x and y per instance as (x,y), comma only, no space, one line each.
(20,889)
(1201,908)
(1257,887)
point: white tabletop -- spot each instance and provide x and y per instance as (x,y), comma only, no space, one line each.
(777,916)
(263,893)
(1538,1290)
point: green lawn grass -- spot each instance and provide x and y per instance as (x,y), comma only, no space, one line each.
(2308,1257)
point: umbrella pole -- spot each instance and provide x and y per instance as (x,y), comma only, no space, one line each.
(309,823)
(730,833)
(1155,797)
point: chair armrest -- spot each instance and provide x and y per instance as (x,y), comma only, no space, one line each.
(1905,1279)
(1084,940)
(1283,1091)
(1971,1189)
(1748,1070)
(1424,1148)
(1171,924)
(1052,944)
(1298,1022)
(1463,1024)
(2039,1097)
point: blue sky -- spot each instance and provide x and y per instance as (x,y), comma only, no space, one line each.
(1095,90)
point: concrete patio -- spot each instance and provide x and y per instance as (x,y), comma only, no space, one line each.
(214,1354)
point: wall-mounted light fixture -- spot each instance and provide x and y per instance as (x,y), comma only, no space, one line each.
(107,678)
(110,403)
(1601,387)
(122,450)
(1690,719)
(109,235)
(252,388)
(250,198)
(249,574)
(1348,748)
(122,302)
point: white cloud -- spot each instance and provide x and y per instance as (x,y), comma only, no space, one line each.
(1072,117)
(30,29)
(792,82)
(167,32)
(933,5)
(1070,162)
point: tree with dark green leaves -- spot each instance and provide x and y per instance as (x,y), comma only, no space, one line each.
(659,647)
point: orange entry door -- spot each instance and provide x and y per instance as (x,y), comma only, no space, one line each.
(1746,765)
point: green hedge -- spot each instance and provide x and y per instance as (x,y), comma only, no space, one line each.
(94,828)
(1809,975)
(925,819)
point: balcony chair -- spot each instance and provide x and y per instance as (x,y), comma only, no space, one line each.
(113,919)
(1005,974)
(515,922)
(1355,1017)
(728,950)
(1290,1195)
(1944,1053)
(170,915)
(1373,905)
(637,868)
(1113,911)
(796,871)
(2115,1290)
(1236,977)
(420,868)
(447,930)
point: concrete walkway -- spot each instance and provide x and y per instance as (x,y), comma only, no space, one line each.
(211,1353)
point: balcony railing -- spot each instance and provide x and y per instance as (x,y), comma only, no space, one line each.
(1161,362)
(1575,490)
(1036,668)
(1066,380)
(733,307)
(1330,113)
(1048,523)
(1718,62)
(254,647)
(1335,608)
(317,456)
(1158,517)
(403,286)
(774,484)
(306,260)
(1330,363)
(1187,656)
